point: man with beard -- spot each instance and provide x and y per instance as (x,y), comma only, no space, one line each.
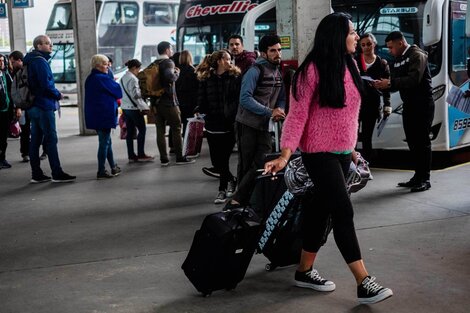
(262,98)
(242,58)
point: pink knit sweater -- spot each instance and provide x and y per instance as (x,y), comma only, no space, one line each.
(321,129)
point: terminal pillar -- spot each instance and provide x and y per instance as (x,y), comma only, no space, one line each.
(16,25)
(84,25)
(297,21)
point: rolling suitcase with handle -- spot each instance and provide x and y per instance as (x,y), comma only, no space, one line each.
(222,250)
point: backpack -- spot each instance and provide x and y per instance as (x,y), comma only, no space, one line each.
(20,93)
(149,80)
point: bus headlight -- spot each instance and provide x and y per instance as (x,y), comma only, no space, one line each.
(438,92)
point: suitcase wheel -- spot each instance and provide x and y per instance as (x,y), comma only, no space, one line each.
(270,267)
(206,294)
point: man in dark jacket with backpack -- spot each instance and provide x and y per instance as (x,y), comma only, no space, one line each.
(42,112)
(167,109)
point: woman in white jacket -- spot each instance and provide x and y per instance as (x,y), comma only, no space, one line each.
(134,108)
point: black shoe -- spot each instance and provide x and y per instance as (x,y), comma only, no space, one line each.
(184,160)
(422,186)
(104,175)
(311,279)
(369,292)
(63,178)
(408,184)
(40,179)
(211,171)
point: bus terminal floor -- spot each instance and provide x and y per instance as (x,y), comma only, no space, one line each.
(117,245)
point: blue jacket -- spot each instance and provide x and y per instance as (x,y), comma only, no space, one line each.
(101,93)
(41,80)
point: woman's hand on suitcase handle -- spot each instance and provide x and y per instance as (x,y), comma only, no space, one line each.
(278,164)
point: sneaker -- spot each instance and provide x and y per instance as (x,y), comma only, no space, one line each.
(211,171)
(24,158)
(369,292)
(221,198)
(5,164)
(184,160)
(63,178)
(231,206)
(133,159)
(145,158)
(104,175)
(232,185)
(115,171)
(40,179)
(311,279)
(43,156)
(164,163)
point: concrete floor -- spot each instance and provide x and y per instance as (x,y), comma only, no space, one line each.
(117,245)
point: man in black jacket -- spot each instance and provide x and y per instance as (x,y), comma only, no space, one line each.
(410,75)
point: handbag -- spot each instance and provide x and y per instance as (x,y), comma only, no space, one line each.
(298,182)
(123,127)
(15,129)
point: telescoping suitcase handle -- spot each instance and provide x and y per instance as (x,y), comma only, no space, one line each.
(277,130)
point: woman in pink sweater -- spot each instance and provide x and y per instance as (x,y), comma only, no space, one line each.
(323,122)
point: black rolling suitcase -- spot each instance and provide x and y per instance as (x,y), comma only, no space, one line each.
(281,238)
(222,250)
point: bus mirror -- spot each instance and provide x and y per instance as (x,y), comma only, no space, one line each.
(432,23)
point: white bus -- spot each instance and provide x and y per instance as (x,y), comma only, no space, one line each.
(126,29)
(437,26)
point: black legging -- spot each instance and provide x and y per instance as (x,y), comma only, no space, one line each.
(221,147)
(327,172)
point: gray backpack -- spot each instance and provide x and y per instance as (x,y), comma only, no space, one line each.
(20,92)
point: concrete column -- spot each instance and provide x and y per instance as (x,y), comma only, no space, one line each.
(16,25)
(84,25)
(299,19)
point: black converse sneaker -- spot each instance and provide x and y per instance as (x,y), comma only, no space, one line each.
(311,279)
(369,292)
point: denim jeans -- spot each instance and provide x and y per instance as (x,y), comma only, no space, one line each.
(43,130)
(135,119)
(105,150)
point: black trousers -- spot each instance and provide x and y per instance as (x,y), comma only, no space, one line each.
(327,172)
(417,126)
(221,147)
(253,145)
(367,121)
(25,135)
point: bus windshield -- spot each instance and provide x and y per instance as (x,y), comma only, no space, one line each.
(63,63)
(383,17)
(61,17)
(160,14)
(204,26)
(117,31)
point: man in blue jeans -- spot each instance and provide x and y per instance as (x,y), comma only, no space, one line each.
(42,112)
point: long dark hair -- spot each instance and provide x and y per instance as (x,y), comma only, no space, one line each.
(331,58)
